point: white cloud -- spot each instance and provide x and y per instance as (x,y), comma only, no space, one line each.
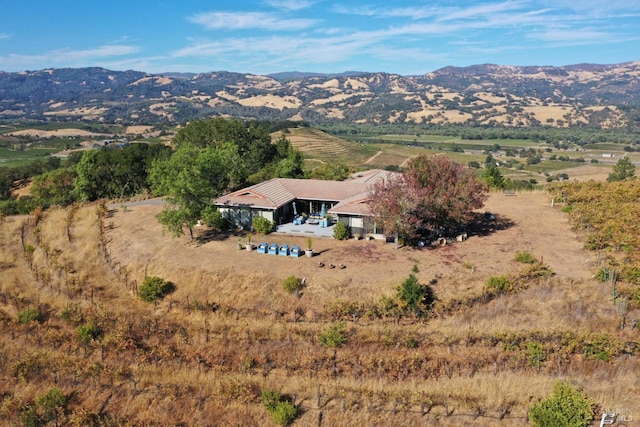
(442,13)
(247,20)
(574,37)
(289,4)
(409,34)
(4,36)
(279,51)
(597,8)
(398,12)
(479,11)
(99,52)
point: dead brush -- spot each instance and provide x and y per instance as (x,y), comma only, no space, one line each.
(226,334)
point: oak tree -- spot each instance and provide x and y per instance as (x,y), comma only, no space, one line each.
(190,179)
(624,169)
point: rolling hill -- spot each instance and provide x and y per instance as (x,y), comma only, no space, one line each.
(600,96)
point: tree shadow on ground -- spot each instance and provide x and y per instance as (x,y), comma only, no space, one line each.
(206,235)
(482,224)
(485,224)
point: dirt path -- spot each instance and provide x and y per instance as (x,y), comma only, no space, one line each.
(372,158)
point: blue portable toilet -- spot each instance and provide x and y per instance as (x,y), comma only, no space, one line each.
(296,252)
(263,247)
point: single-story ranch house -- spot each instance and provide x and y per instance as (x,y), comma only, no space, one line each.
(281,199)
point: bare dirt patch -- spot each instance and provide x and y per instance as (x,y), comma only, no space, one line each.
(588,173)
(139,130)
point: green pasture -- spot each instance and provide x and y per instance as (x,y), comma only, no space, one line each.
(552,166)
(408,139)
(11,158)
(468,144)
(602,146)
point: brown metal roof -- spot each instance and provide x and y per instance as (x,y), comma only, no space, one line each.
(350,194)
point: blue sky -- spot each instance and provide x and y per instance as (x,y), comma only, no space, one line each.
(266,36)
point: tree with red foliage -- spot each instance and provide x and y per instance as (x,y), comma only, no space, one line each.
(434,191)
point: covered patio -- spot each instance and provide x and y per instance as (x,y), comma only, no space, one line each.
(305,229)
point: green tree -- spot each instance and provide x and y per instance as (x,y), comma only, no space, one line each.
(474,164)
(190,179)
(565,407)
(624,169)
(88,178)
(115,172)
(55,187)
(415,297)
(252,141)
(330,171)
(493,178)
(290,166)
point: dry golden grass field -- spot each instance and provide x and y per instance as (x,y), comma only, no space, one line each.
(203,354)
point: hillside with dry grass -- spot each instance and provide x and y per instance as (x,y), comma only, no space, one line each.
(203,355)
(597,96)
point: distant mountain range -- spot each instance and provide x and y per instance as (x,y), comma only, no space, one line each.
(602,96)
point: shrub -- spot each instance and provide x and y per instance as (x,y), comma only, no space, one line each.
(51,405)
(29,315)
(341,231)
(499,283)
(535,354)
(154,288)
(534,272)
(414,296)
(387,339)
(565,407)
(214,219)
(603,274)
(335,336)
(72,313)
(412,342)
(270,399)
(282,412)
(525,257)
(262,225)
(87,333)
(292,284)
